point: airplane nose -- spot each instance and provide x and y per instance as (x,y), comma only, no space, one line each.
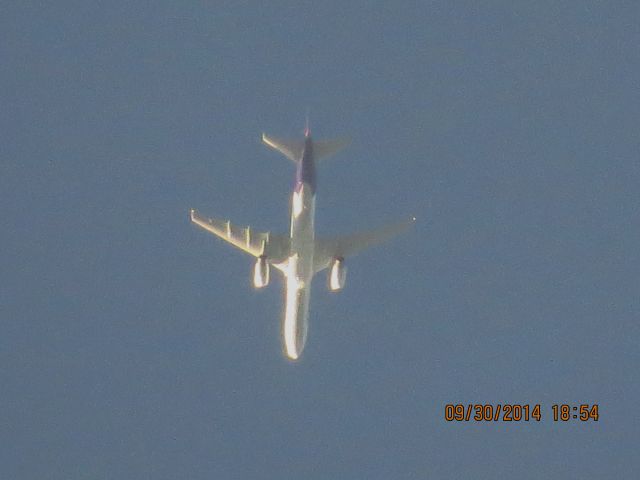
(294,351)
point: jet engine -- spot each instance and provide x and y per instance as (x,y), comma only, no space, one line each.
(261,272)
(337,275)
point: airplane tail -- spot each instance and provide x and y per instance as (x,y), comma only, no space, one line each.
(293,149)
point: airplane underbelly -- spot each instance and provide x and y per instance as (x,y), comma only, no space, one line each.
(299,272)
(296,320)
(302,215)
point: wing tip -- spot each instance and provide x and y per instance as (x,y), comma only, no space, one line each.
(267,141)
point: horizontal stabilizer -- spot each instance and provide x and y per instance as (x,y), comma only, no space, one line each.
(292,149)
(326,148)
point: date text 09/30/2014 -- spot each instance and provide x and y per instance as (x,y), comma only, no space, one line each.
(514,412)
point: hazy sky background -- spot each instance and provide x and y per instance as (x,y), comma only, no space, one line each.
(132,345)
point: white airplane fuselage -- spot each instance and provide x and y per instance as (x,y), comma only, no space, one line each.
(300,266)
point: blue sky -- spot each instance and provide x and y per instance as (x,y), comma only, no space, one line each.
(133,345)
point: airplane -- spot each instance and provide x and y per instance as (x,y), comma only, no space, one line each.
(299,255)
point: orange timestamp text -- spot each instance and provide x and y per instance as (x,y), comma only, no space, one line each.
(514,412)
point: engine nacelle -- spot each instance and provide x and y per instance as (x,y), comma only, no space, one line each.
(337,275)
(261,272)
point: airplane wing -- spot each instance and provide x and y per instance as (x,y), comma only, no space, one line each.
(327,249)
(275,247)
